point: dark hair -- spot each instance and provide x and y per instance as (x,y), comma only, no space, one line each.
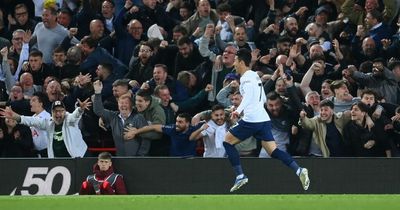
(369,92)
(145,94)
(145,43)
(236,93)
(89,41)
(318,58)
(155,42)
(121,82)
(59,49)
(66,11)
(181,29)
(273,96)
(107,66)
(363,107)
(186,5)
(158,88)
(36,53)
(366,66)
(379,60)
(104,156)
(184,78)
(163,66)
(22,5)
(217,107)
(327,102)
(110,1)
(186,116)
(224,8)
(184,40)
(244,55)
(329,81)
(337,84)
(42,98)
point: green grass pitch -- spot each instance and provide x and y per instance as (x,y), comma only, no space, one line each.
(202,202)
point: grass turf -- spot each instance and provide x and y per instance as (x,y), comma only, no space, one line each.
(203,202)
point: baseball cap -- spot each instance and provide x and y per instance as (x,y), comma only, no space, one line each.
(323,9)
(57,104)
(311,41)
(231,76)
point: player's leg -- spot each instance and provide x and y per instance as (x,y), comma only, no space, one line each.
(273,151)
(268,143)
(233,136)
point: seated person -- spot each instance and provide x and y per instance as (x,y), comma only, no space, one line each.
(104,181)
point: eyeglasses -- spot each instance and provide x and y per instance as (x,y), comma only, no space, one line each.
(17,38)
(136,28)
(145,50)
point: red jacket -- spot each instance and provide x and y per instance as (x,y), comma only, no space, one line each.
(103,183)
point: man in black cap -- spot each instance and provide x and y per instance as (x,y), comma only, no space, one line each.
(63,133)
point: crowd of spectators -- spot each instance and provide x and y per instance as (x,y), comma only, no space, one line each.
(330,70)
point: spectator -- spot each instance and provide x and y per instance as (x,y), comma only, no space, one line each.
(363,142)
(96,55)
(38,68)
(141,68)
(222,65)
(304,144)
(342,97)
(163,93)
(40,136)
(104,181)
(161,77)
(230,86)
(21,20)
(185,11)
(282,120)
(63,130)
(119,88)
(368,51)
(48,34)
(353,10)
(16,140)
(328,129)
(204,15)
(226,22)
(118,121)
(127,37)
(150,108)
(64,18)
(107,12)
(382,80)
(107,77)
(73,59)
(26,79)
(150,13)
(317,78)
(188,57)
(377,29)
(291,29)
(179,133)
(213,133)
